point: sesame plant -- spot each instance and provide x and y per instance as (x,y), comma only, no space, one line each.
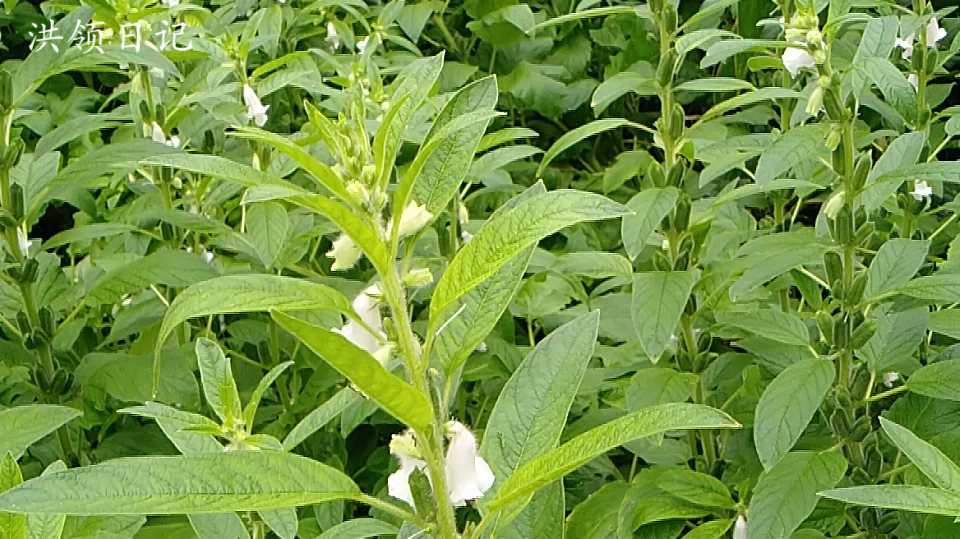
(479,269)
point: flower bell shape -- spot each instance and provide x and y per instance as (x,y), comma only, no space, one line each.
(914,81)
(345,253)
(413,218)
(404,447)
(23,242)
(740,528)
(367,307)
(333,38)
(468,475)
(921,190)
(795,59)
(890,377)
(362,44)
(158,136)
(256,110)
(933,34)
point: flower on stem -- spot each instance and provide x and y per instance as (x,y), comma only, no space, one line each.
(170,3)
(413,218)
(404,447)
(362,44)
(914,81)
(933,34)
(795,59)
(740,528)
(158,136)
(345,253)
(256,110)
(367,307)
(468,475)
(890,377)
(23,243)
(333,38)
(921,190)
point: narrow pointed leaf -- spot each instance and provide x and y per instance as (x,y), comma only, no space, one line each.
(927,458)
(918,499)
(21,426)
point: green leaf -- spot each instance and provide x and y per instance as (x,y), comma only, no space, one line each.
(531,411)
(756,188)
(927,458)
(940,380)
(939,288)
(393,394)
(448,164)
(86,233)
(166,267)
(774,324)
(696,488)
(250,410)
(900,497)
(12,526)
(649,208)
(787,406)
(715,529)
(749,98)
(216,376)
(653,386)
(786,494)
(267,225)
(772,255)
(360,528)
(580,450)
(569,139)
(721,50)
(510,233)
(283,522)
(320,416)
(791,149)
(715,84)
(639,11)
(892,84)
(656,306)
(47,526)
(897,336)
(902,152)
(930,171)
(173,422)
(21,426)
(223,168)
(618,85)
(896,262)
(593,265)
(202,483)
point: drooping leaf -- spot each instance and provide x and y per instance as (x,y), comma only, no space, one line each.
(919,499)
(927,458)
(656,306)
(21,426)
(649,208)
(940,380)
(577,135)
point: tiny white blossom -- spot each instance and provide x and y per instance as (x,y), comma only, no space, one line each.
(362,44)
(740,528)
(256,111)
(906,44)
(468,475)
(914,81)
(921,190)
(934,32)
(466,237)
(157,134)
(333,38)
(123,65)
(890,377)
(22,242)
(170,3)
(404,447)
(207,257)
(413,218)
(345,253)
(158,72)
(795,59)
(367,307)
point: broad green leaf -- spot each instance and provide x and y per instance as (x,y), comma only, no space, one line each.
(772,255)
(721,50)
(12,525)
(555,464)
(448,164)
(250,410)
(896,262)
(695,487)
(946,322)
(897,336)
(510,233)
(360,528)
(202,483)
(787,406)
(169,268)
(283,522)
(904,151)
(172,422)
(393,394)
(320,416)
(267,225)
(47,526)
(593,264)
(223,168)
(707,9)
(939,288)
(715,529)
(649,207)
(749,98)
(892,84)
(714,84)
(531,411)
(930,171)
(216,376)
(619,85)
(653,386)
(656,306)
(786,494)
(927,458)
(21,426)
(791,149)
(900,497)
(639,11)
(358,228)
(773,324)
(756,188)
(86,233)
(940,380)
(484,305)
(128,378)
(569,139)
(597,515)
(700,38)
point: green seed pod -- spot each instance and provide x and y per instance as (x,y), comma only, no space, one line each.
(670,18)
(145,112)
(16,195)
(656,175)
(208,142)
(704,341)
(6,90)
(161,114)
(825,324)
(59,384)
(932,60)
(840,336)
(28,273)
(686,246)
(860,428)
(14,152)
(843,400)
(874,461)
(831,103)
(682,263)
(862,237)
(838,161)
(681,217)
(855,294)
(675,177)
(868,516)
(844,226)
(678,122)
(859,476)
(665,68)
(924,117)
(833,265)
(863,333)
(861,171)
(660,262)
(656,5)
(839,424)
(23,323)
(40,336)
(889,522)
(46,320)
(836,289)
(691,307)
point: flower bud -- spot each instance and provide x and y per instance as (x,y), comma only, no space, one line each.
(417,278)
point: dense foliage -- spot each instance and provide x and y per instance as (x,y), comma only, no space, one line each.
(480,268)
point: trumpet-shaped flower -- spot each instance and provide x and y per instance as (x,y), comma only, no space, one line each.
(933,34)
(22,242)
(890,377)
(362,44)
(404,447)
(921,190)
(333,38)
(367,307)
(413,218)
(740,528)
(158,136)
(345,253)
(914,81)
(468,475)
(795,59)
(256,110)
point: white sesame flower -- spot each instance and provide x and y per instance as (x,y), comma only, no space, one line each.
(468,475)
(362,44)
(333,38)
(367,307)
(170,3)
(466,237)
(413,218)
(795,59)
(345,253)
(157,134)
(22,242)
(740,528)
(158,72)
(921,190)
(404,447)
(256,111)
(123,65)
(934,32)
(890,377)
(907,45)
(207,257)
(914,81)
